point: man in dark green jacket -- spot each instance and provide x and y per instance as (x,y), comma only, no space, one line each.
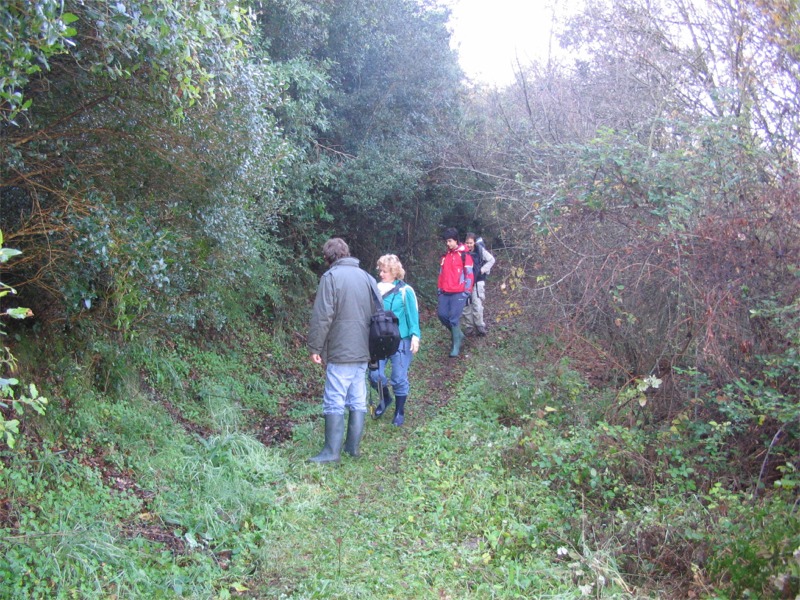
(338,337)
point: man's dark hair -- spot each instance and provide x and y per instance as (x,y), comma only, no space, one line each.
(470,236)
(451,233)
(334,249)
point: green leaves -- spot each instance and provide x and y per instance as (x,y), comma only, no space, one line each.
(179,49)
(19,313)
(30,33)
(6,253)
(9,429)
(396,89)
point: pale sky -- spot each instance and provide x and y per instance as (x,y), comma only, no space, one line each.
(490,34)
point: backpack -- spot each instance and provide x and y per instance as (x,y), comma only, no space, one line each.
(384,331)
(477,260)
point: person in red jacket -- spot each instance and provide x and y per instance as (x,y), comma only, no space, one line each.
(454,286)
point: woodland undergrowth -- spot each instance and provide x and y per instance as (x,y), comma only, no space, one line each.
(177,468)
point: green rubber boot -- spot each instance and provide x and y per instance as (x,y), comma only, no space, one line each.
(334,433)
(355,429)
(458,338)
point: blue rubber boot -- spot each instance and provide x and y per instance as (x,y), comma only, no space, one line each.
(399,411)
(387,400)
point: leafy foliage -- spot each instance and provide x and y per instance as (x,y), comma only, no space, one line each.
(136,232)
(12,402)
(396,94)
(174,48)
(169,170)
(31,33)
(652,236)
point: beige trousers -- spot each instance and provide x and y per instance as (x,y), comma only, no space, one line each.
(472,317)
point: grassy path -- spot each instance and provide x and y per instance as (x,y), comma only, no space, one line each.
(400,522)
(175,496)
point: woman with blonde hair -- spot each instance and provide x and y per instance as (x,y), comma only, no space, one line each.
(398,297)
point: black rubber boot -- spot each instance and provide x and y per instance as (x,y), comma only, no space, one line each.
(355,429)
(387,400)
(334,433)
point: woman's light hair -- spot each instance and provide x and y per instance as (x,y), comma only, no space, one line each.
(391,263)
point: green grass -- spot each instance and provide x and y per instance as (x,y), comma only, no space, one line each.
(513,489)
(429,511)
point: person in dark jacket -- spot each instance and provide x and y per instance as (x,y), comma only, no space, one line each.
(473,313)
(338,337)
(454,286)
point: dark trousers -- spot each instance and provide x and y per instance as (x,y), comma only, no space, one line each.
(450,308)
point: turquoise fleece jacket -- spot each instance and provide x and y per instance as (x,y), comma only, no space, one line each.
(404,305)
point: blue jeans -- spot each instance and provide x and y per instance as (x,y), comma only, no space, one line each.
(344,388)
(401,361)
(450,308)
